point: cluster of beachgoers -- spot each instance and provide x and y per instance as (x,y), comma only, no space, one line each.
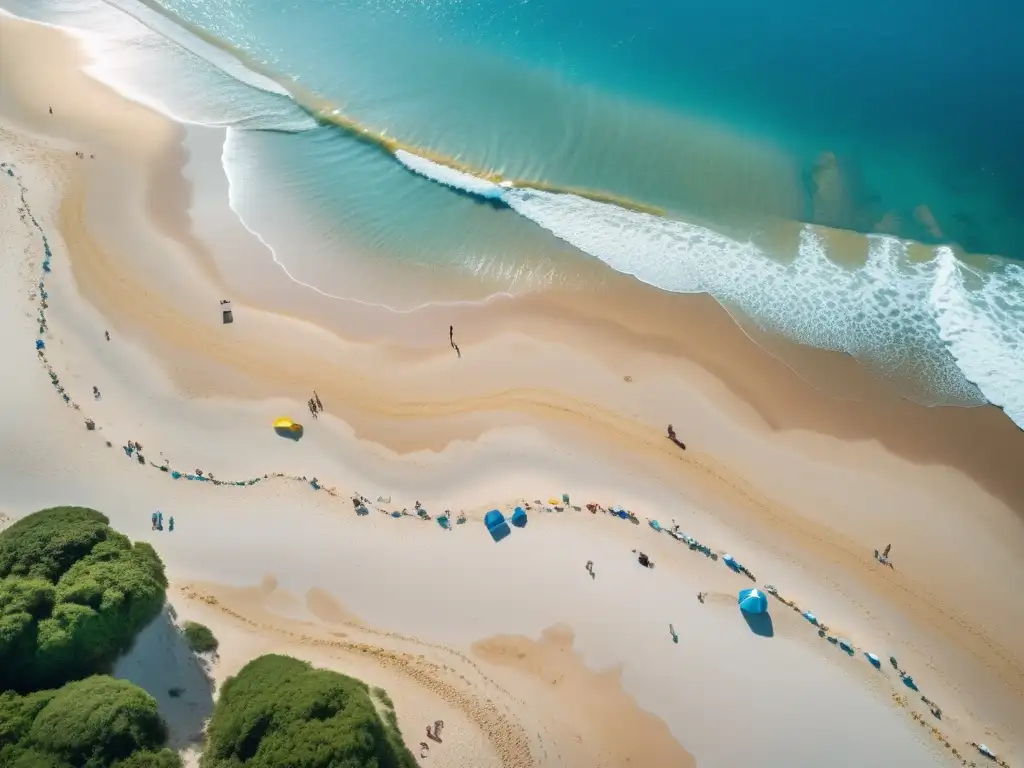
(518,509)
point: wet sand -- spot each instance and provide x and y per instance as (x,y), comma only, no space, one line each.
(562,391)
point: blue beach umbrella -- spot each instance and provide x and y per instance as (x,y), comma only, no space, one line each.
(810,617)
(496,525)
(753,601)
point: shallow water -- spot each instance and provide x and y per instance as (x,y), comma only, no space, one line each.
(743,122)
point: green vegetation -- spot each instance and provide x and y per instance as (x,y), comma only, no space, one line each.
(199,637)
(281,711)
(386,709)
(380,695)
(74,593)
(91,723)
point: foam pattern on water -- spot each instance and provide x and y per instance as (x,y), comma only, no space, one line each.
(902,317)
(157,63)
(984,326)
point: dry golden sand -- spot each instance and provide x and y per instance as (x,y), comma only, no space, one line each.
(610,730)
(603,367)
(594,722)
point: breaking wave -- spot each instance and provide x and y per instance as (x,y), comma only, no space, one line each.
(143,56)
(960,328)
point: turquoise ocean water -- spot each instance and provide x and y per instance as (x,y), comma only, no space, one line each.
(735,119)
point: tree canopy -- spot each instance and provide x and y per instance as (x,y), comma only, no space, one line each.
(74,593)
(98,722)
(281,711)
(200,638)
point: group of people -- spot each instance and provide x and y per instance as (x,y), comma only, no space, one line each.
(134,448)
(883,556)
(315,406)
(433,735)
(158,521)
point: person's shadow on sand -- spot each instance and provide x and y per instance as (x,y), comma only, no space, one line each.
(760,623)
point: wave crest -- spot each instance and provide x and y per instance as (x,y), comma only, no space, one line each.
(983,326)
(903,317)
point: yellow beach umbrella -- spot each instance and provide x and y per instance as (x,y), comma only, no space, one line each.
(287,428)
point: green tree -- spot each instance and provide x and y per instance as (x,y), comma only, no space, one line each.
(74,593)
(199,637)
(280,711)
(98,722)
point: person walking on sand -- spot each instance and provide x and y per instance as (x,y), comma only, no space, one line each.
(451,335)
(51,110)
(590,568)
(107,335)
(316,398)
(672,631)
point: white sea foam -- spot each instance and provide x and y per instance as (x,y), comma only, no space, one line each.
(959,329)
(450,177)
(152,61)
(903,317)
(965,340)
(983,324)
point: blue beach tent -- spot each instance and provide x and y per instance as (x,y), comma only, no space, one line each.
(519,517)
(753,601)
(496,525)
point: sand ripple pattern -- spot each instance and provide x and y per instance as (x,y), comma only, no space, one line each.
(510,739)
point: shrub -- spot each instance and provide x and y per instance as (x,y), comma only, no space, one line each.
(74,593)
(280,711)
(199,637)
(97,722)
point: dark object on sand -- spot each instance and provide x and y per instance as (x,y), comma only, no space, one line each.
(645,561)
(496,525)
(226,313)
(673,438)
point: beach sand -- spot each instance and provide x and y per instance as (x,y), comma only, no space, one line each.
(527,659)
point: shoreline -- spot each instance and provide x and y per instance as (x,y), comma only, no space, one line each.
(917,389)
(589,412)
